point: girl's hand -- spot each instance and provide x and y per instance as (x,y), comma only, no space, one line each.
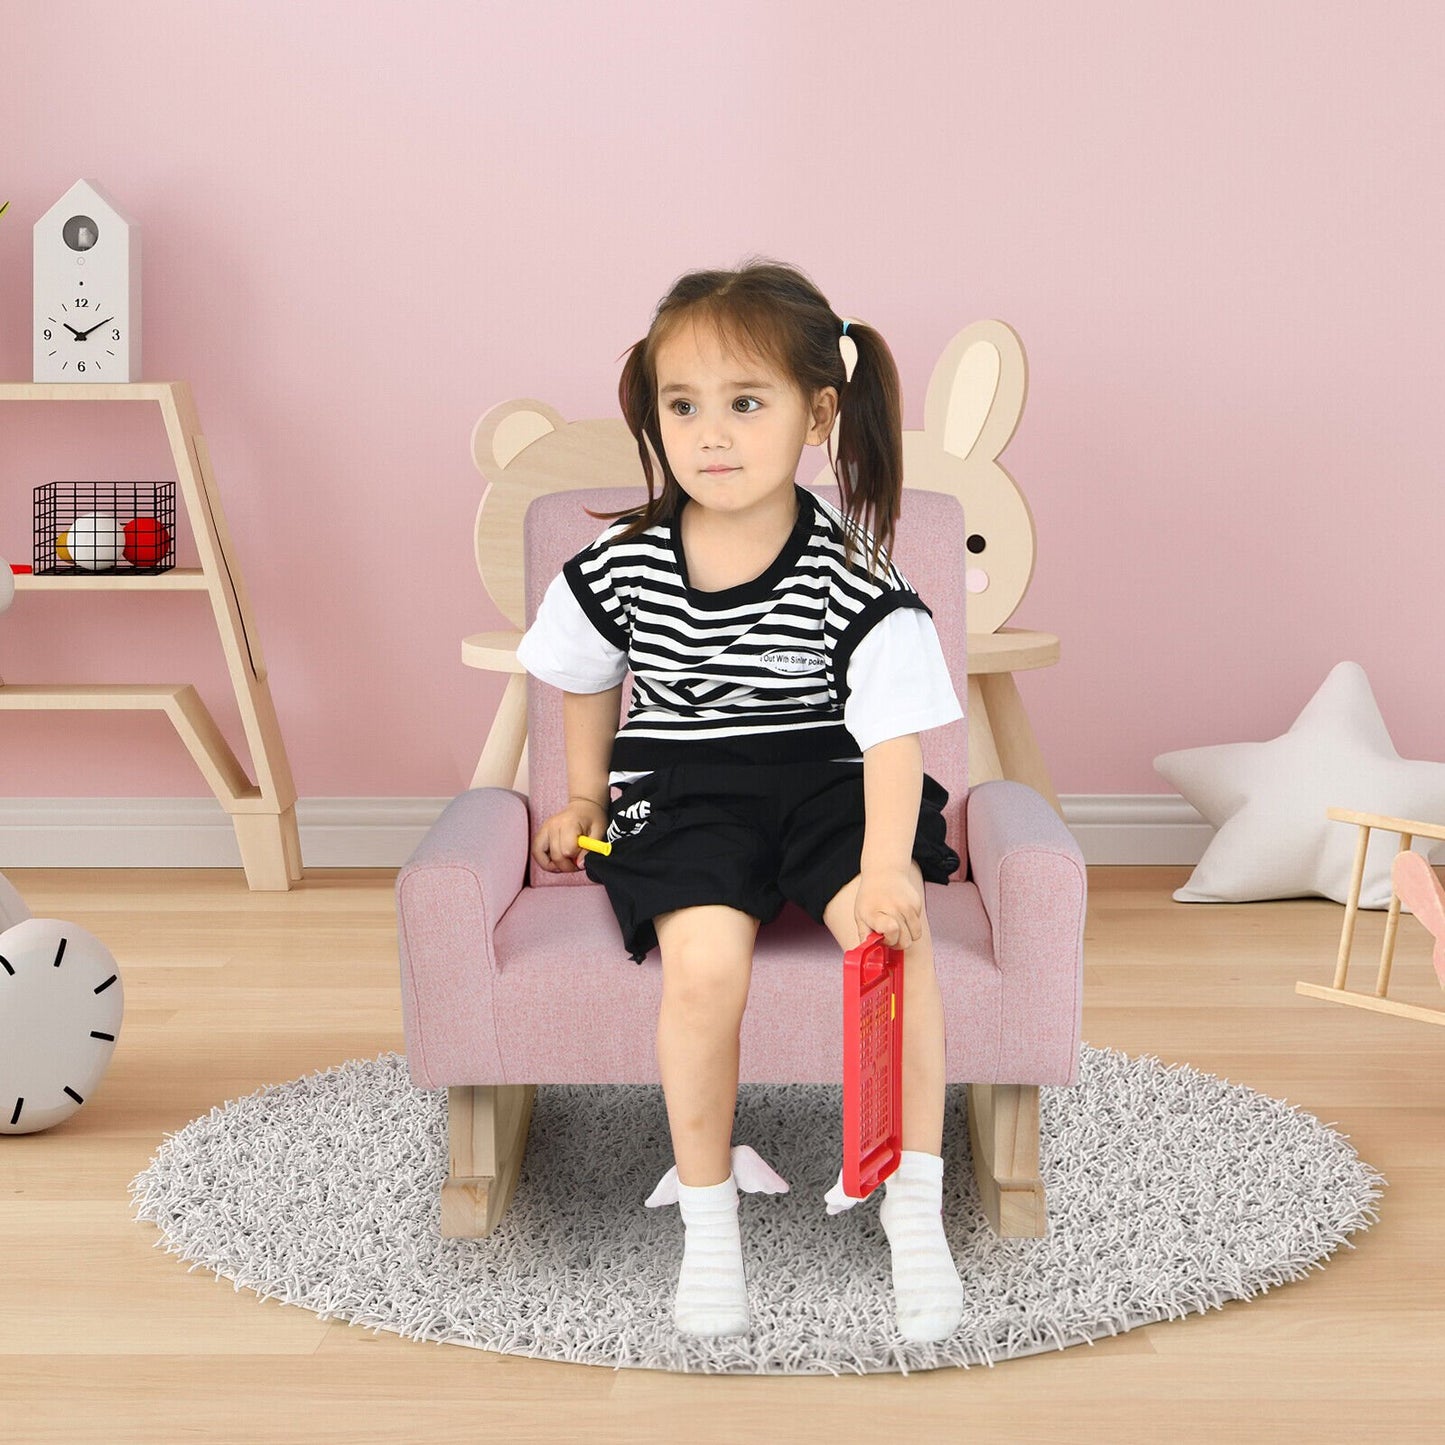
(555,849)
(891,903)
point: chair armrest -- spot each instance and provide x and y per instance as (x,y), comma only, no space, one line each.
(450,894)
(1031,877)
(1012,828)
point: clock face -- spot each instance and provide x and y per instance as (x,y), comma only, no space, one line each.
(82,337)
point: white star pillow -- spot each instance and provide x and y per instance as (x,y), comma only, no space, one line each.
(1268,802)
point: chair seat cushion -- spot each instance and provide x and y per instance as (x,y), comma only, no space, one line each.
(572,1007)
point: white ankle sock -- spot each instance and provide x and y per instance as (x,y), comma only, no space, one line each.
(712,1291)
(927,1292)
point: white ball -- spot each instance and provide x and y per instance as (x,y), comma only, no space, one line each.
(96,541)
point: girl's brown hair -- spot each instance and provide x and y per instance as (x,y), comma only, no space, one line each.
(778,314)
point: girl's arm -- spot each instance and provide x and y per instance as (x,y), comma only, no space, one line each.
(888,900)
(589,723)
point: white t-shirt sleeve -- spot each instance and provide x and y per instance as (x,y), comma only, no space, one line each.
(898,681)
(562,646)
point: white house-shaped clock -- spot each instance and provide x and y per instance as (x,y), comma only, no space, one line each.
(87,290)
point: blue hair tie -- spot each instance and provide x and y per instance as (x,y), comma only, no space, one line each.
(845,328)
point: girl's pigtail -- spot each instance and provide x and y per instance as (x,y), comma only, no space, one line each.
(634,399)
(869,464)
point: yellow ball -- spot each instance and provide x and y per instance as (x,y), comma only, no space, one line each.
(62,547)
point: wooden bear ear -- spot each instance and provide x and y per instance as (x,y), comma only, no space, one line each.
(976,393)
(507,429)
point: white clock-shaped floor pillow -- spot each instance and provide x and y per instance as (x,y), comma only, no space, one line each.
(61,1004)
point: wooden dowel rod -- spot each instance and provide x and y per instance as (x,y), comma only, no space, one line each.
(1352,907)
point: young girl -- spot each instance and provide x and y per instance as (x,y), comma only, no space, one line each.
(782,669)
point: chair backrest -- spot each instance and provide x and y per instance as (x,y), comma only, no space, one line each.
(929,549)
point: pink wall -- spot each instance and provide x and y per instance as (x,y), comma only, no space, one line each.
(1216,228)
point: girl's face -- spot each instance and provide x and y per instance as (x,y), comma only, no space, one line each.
(732,426)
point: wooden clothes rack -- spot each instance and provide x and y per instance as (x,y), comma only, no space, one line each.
(263,812)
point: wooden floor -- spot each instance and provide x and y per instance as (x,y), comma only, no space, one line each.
(104,1337)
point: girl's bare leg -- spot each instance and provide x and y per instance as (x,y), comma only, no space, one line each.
(707,961)
(707,965)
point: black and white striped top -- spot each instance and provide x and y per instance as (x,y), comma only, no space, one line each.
(758,673)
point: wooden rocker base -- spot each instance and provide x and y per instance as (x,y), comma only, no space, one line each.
(1003,1127)
(487,1136)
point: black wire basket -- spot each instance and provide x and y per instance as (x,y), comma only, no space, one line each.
(85,528)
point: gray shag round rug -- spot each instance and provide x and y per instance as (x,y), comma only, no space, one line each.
(1169,1192)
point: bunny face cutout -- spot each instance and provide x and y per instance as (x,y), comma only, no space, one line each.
(975,398)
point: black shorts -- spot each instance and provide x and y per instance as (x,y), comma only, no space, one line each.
(750,836)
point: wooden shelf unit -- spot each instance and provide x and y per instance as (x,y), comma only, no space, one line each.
(263,812)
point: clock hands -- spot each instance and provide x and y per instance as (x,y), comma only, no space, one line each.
(81,335)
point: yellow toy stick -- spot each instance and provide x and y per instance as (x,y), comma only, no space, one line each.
(593,845)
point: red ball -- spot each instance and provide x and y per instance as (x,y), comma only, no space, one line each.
(146,541)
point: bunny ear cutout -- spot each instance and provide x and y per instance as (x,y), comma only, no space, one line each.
(977,390)
(751,1173)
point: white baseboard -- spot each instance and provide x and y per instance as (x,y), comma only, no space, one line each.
(1137,828)
(1120,828)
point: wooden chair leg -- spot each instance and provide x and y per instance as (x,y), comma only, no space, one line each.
(487,1136)
(1003,1127)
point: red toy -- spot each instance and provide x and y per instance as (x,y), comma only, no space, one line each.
(146,541)
(872,1064)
